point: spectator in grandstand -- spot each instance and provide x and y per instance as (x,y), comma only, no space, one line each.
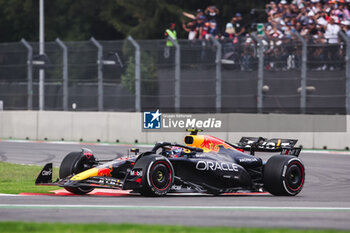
(191,28)
(304,29)
(192,16)
(281,6)
(316,33)
(331,31)
(200,20)
(212,13)
(294,9)
(203,28)
(238,26)
(338,11)
(247,55)
(303,17)
(346,12)
(321,18)
(288,13)
(230,32)
(331,34)
(316,7)
(212,30)
(274,33)
(346,28)
(271,8)
(288,30)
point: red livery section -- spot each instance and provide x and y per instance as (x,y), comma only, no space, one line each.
(105,171)
(213,144)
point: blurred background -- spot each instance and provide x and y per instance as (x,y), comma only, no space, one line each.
(183,56)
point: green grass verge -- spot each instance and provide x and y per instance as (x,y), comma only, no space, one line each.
(133,228)
(16,178)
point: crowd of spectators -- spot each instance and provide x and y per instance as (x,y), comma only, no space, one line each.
(318,21)
(206,23)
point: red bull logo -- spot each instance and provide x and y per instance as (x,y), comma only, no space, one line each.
(207,143)
(213,144)
(105,171)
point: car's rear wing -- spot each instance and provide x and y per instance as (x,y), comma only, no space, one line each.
(252,144)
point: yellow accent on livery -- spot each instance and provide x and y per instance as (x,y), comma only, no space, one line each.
(85,174)
(278,143)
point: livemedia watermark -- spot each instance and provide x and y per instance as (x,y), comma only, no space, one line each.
(156,121)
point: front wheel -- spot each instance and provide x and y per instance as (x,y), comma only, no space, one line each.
(284,175)
(74,163)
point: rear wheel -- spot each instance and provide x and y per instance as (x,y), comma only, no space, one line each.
(72,164)
(284,175)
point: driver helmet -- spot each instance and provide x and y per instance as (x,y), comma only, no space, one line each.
(176,152)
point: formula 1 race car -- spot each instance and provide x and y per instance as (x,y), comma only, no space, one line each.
(205,164)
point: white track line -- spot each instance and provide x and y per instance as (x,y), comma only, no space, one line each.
(325,152)
(135,207)
(9,195)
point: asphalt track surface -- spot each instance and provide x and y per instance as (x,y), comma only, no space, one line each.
(323,203)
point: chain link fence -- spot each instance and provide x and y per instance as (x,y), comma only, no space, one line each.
(253,74)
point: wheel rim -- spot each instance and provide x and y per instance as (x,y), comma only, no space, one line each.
(295,176)
(85,189)
(161,175)
(80,168)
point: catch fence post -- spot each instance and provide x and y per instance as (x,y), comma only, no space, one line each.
(29,73)
(177,74)
(137,74)
(347,72)
(65,73)
(218,74)
(260,44)
(303,73)
(99,73)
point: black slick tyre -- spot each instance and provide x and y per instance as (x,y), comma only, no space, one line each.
(284,175)
(73,164)
(158,175)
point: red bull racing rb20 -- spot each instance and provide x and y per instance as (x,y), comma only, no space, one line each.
(205,164)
